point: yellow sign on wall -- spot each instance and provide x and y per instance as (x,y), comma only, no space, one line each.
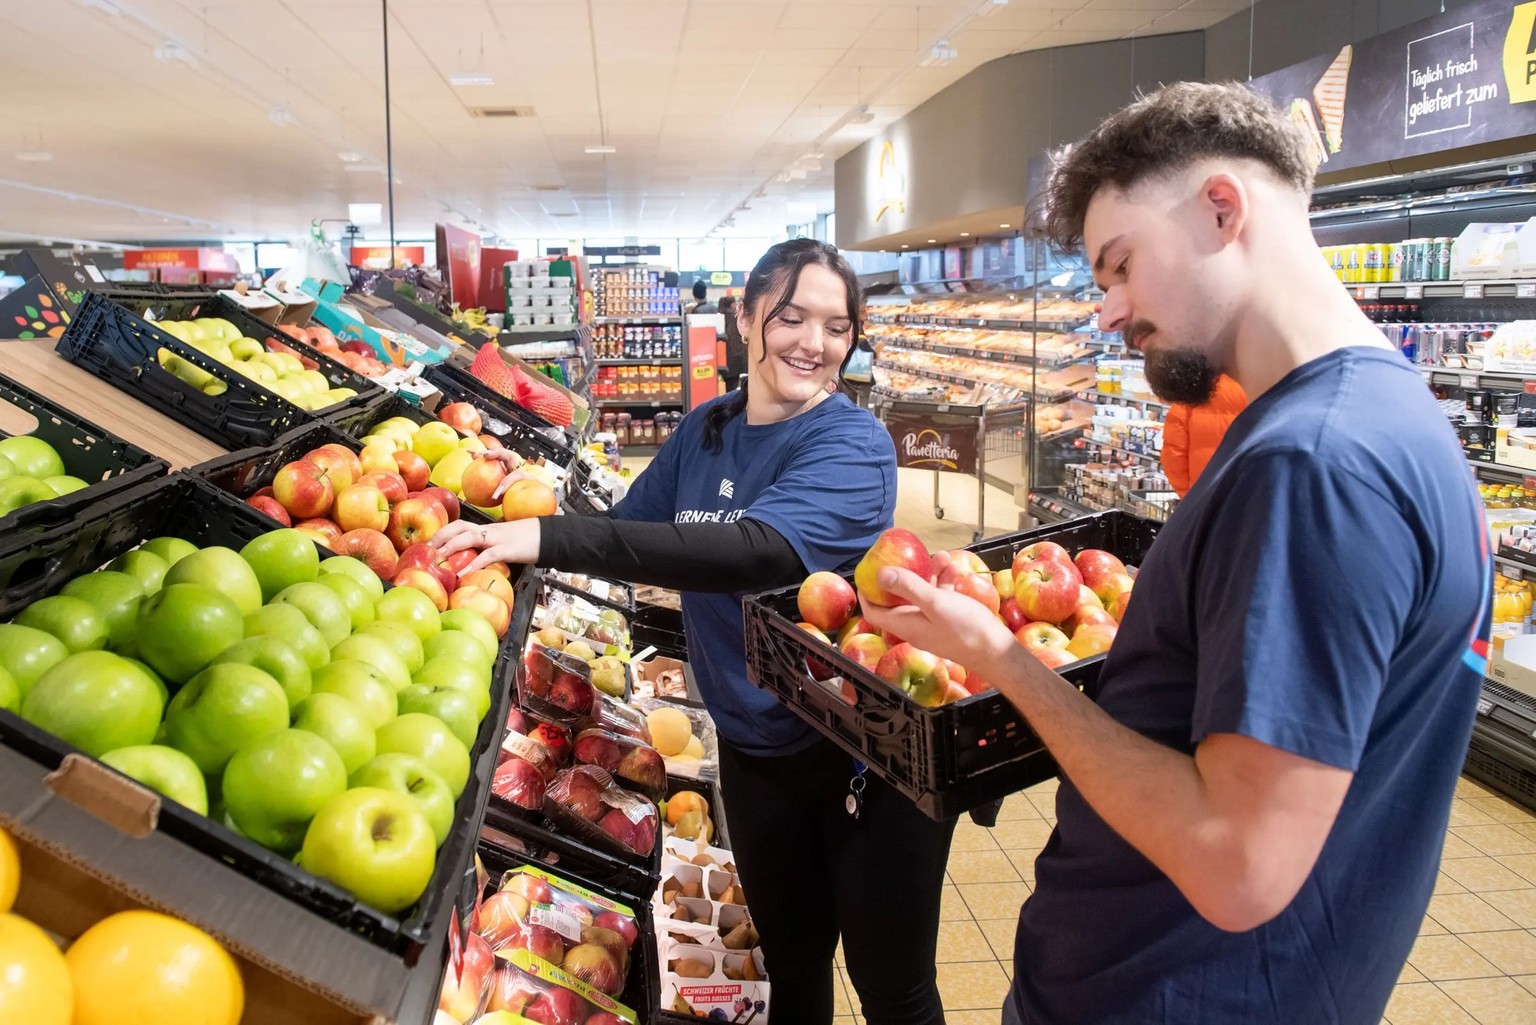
(1520,54)
(891,194)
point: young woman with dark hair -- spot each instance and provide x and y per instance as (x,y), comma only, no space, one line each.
(757,489)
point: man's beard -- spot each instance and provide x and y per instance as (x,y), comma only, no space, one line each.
(1182,375)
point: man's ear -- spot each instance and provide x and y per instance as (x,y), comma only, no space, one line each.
(1225,200)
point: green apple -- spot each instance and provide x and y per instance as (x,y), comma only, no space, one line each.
(245,348)
(402,638)
(165,692)
(361,684)
(452,707)
(27,653)
(325,611)
(165,770)
(291,625)
(7,468)
(426,737)
(74,621)
(10,693)
(33,457)
(476,625)
(273,787)
(171,549)
(96,701)
(16,492)
(375,843)
(432,442)
(278,659)
(357,570)
(339,723)
(65,485)
(353,595)
(409,775)
(223,570)
(377,652)
(183,627)
(147,568)
(409,607)
(281,558)
(449,471)
(469,677)
(456,644)
(117,596)
(222,709)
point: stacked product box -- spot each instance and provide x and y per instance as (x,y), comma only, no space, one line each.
(537,299)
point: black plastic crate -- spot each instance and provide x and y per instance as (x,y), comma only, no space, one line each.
(104,461)
(656,626)
(710,790)
(947,759)
(453,379)
(583,494)
(628,879)
(642,988)
(184,506)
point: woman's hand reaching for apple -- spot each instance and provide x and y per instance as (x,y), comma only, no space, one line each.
(946,623)
(515,543)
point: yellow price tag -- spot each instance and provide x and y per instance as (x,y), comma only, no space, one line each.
(721,278)
(703,373)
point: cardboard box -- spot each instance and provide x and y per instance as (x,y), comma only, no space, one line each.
(738,999)
(1514,665)
(1486,250)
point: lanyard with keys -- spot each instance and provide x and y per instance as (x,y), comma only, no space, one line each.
(855,799)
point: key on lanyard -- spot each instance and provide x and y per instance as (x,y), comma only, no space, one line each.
(855,800)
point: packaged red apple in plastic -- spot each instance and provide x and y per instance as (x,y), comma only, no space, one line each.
(556,686)
(467,978)
(618,717)
(534,990)
(585,933)
(632,763)
(586,802)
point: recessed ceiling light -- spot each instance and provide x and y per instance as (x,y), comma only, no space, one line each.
(349,157)
(34,156)
(932,241)
(905,246)
(965,234)
(364,169)
(471,78)
(1005,225)
(282,117)
(602,150)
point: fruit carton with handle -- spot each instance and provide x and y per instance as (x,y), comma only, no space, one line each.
(947,759)
(703,983)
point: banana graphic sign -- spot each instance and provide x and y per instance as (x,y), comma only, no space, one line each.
(1520,54)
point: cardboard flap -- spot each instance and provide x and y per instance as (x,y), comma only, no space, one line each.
(122,803)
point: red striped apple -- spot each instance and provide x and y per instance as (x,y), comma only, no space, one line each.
(1084,615)
(896,548)
(370,547)
(445,498)
(866,649)
(304,488)
(271,507)
(480,481)
(923,676)
(412,468)
(327,530)
(1042,551)
(414,521)
(424,582)
(1093,639)
(1096,565)
(826,601)
(1041,635)
(818,669)
(1054,658)
(1013,617)
(462,417)
(1112,586)
(344,465)
(856,625)
(1122,601)
(1047,591)
(361,507)
(391,483)
(979,587)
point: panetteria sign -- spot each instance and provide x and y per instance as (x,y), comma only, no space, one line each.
(924,444)
(1460,79)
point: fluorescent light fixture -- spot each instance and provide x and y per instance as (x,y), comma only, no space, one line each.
(602,150)
(364,169)
(282,117)
(797,173)
(905,246)
(811,161)
(34,156)
(1005,225)
(965,234)
(347,156)
(365,213)
(106,7)
(933,241)
(991,7)
(862,116)
(471,78)
(940,54)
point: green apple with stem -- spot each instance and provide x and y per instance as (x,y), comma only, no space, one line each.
(361,684)
(339,723)
(400,637)
(375,843)
(222,709)
(96,701)
(469,677)
(427,738)
(164,770)
(409,775)
(183,627)
(274,785)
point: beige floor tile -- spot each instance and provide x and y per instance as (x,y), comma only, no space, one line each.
(994,900)
(1464,814)
(1480,874)
(1467,912)
(1493,1001)
(1410,974)
(1518,905)
(1024,863)
(846,1020)
(1045,804)
(978,985)
(1512,952)
(840,993)
(962,941)
(837,955)
(987,1017)
(1445,884)
(952,906)
(982,867)
(1471,788)
(1523,865)
(1015,807)
(1525,829)
(1527,981)
(1022,833)
(1422,1003)
(1500,809)
(1496,841)
(1430,927)
(1456,847)
(1045,786)
(999,933)
(971,837)
(1448,957)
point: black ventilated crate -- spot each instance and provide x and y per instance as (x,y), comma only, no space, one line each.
(656,626)
(452,379)
(629,879)
(184,506)
(947,759)
(107,463)
(642,988)
(710,791)
(584,494)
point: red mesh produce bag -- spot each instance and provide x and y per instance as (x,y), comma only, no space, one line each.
(518,386)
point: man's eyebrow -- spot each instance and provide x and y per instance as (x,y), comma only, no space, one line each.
(1098,265)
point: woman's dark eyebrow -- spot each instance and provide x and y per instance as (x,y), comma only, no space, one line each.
(801,310)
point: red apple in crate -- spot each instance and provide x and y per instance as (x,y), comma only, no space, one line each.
(305,489)
(461,416)
(1112,587)
(615,922)
(484,579)
(517,722)
(608,939)
(1013,617)
(460,997)
(968,561)
(424,556)
(1093,639)
(377,459)
(1084,615)
(974,684)
(954,692)
(1054,658)
(445,498)
(511,992)
(980,588)
(415,521)
(639,837)
(583,795)
(413,469)
(392,484)
(1122,601)
(595,966)
(1041,551)
(323,528)
(818,669)
(596,749)
(525,499)
(1003,581)
(922,675)
(519,781)
(957,672)
(424,582)
(856,625)
(501,916)
(553,739)
(1041,635)
(557,1007)
(826,601)
(361,507)
(370,547)
(1097,565)
(644,767)
(1047,591)
(459,562)
(265,492)
(896,548)
(344,465)
(497,612)
(480,481)
(538,940)
(866,649)
(271,507)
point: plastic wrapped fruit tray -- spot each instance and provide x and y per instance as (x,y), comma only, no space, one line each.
(184,506)
(947,759)
(503,418)
(104,461)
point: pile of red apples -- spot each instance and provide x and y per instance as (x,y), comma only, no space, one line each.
(1062,608)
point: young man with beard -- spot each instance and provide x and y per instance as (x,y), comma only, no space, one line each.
(1250,818)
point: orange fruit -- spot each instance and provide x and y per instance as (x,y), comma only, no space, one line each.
(145,968)
(683,802)
(10,871)
(35,986)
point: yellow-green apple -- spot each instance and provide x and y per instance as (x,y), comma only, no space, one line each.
(1092,639)
(1053,658)
(275,785)
(413,469)
(415,521)
(269,506)
(461,994)
(224,570)
(1041,635)
(117,597)
(164,770)
(400,637)
(827,601)
(979,587)
(305,489)
(595,966)
(325,611)
(461,416)
(865,649)
(278,659)
(410,608)
(460,645)
(1047,590)
(477,599)
(291,625)
(434,441)
(424,556)
(479,482)
(362,685)
(502,915)
(409,775)
(497,584)
(357,570)
(525,499)
(449,470)
(96,701)
(74,621)
(379,653)
(453,708)
(183,627)
(472,444)
(356,597)
(1003,581)
(279,558)
(424,581)
(443,497)
(378,458)
(896,548)
(371,548)
(450,673)
(1095,565)
(471,622)
(856,625)
(375,843)
(1039,552)
(1122,600)
(340,724)
(391,483)
(222,709)
(923,676)
(147,568)
(26,653)
(1012,616)
(171,549)
(388,440)
(342,462)
(361,507)
(1112,586)
(426,737)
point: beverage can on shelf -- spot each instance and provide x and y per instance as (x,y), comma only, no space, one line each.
(1443,256)
(1394,262)
(1353,265)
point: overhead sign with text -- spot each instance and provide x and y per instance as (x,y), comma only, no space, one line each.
(926,444)
(1459,79)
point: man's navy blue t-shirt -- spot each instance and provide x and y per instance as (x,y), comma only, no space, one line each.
(1322,589)
(825,480)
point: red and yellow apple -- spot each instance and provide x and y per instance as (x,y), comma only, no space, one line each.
(377,458)
(1053,658)
(897,548)
(344,465)
(525,499)
(484,579)
(371,548)
(1093,639)
(1012,615)
(1041,635)
(412,468)
(857,625)
(391,483)
(1047,590)
(497,612)
(923,676)
(327,529)
(415,521)
(480,481)
(304,488)
(445,498)
(271,507)
(1112,586)
(1122,601)
(979,587)
(827,601)
(426,583)
(361,507)
(1041,551)
(1096,565)
(865,649)
(461,416)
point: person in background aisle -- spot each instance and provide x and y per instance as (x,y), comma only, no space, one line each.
(735,347)
(757,489)
(1192,434)
(1250,818)
(701,303)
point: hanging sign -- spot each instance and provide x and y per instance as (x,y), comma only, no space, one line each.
(923,444)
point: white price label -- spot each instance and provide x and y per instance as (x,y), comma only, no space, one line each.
(1526,291)
(560,922)
(1467,380)
(1371,292)
(1484,706)
(1413,291)
(1472,290)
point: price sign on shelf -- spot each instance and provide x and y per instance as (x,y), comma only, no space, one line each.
(1484,706)
(1530,387)
(1371,293)
(1526,290)
(1472,290)
(1413,291)
(1529,482)
(1466,380)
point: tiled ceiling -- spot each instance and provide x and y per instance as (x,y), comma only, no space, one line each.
(162,116)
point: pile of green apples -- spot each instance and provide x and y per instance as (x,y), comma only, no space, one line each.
(293,699)
(31,471)
(279,372)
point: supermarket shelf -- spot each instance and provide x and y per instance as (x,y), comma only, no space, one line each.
(653,403)
(1068,429)
(990,355)
(1500,468)
(639,451)
(1100,396)
(1475,378)
(658,361)
(639,320)
(1054,508)
(969,382)
(1503,288)
(910,320)
(1514,558)
(1123,451)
